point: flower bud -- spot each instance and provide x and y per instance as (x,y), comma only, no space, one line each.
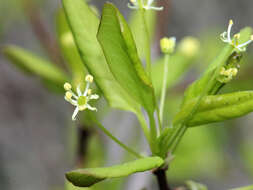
(189,46)
(167,45)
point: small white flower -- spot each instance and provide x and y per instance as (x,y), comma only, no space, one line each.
(80,100)
(226,37)
(134,4)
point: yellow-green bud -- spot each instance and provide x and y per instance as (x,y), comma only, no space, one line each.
(167,45)
(67,86)
(189,46)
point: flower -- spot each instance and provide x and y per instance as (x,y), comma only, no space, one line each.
(226,37)
(80,100)
(134,4)
(189,46)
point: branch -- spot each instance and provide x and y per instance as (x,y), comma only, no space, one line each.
(162,180)
(40,30)
(83,137)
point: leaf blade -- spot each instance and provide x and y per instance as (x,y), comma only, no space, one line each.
(34,65)
(122,57)
(90,176)
(217,108)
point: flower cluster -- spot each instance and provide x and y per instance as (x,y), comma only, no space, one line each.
(134,4)
(80,100)
(226,37)
(227,75)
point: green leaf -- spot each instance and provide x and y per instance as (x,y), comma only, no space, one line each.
(121,54)
(34,65)
(90,176)
(84,25)
(218,108)
(195,186)
(136,25)
(69,49)
(244,188)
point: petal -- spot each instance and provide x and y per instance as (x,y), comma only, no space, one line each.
(79,90)
(91,108)
(93,96)
(86,89)
(224,37)
(132,6)
(156,8)
(75,113)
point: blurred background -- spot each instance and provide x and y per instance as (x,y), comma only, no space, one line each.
(38,139)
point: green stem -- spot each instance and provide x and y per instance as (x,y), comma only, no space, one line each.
(128,149)
(153,134)
(164,87)
(143,125)
(159,121)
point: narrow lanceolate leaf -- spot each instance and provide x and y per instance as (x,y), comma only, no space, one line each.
(69,49)
(84,25)
(121,54)
(218,108)
(90,176)
(35,65)
(196,88)
(244,188)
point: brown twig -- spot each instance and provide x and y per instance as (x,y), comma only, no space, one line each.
(162,180)
(40,30)
(83,138)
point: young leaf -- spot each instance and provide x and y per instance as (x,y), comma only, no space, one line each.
(34,65)
(69,49)
(90,176)
(84,25)
(218,108)
(121,54)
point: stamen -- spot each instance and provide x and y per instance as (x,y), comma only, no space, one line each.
(231,22)
(68,95)
(246,43)
(89,78)
(67,86)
